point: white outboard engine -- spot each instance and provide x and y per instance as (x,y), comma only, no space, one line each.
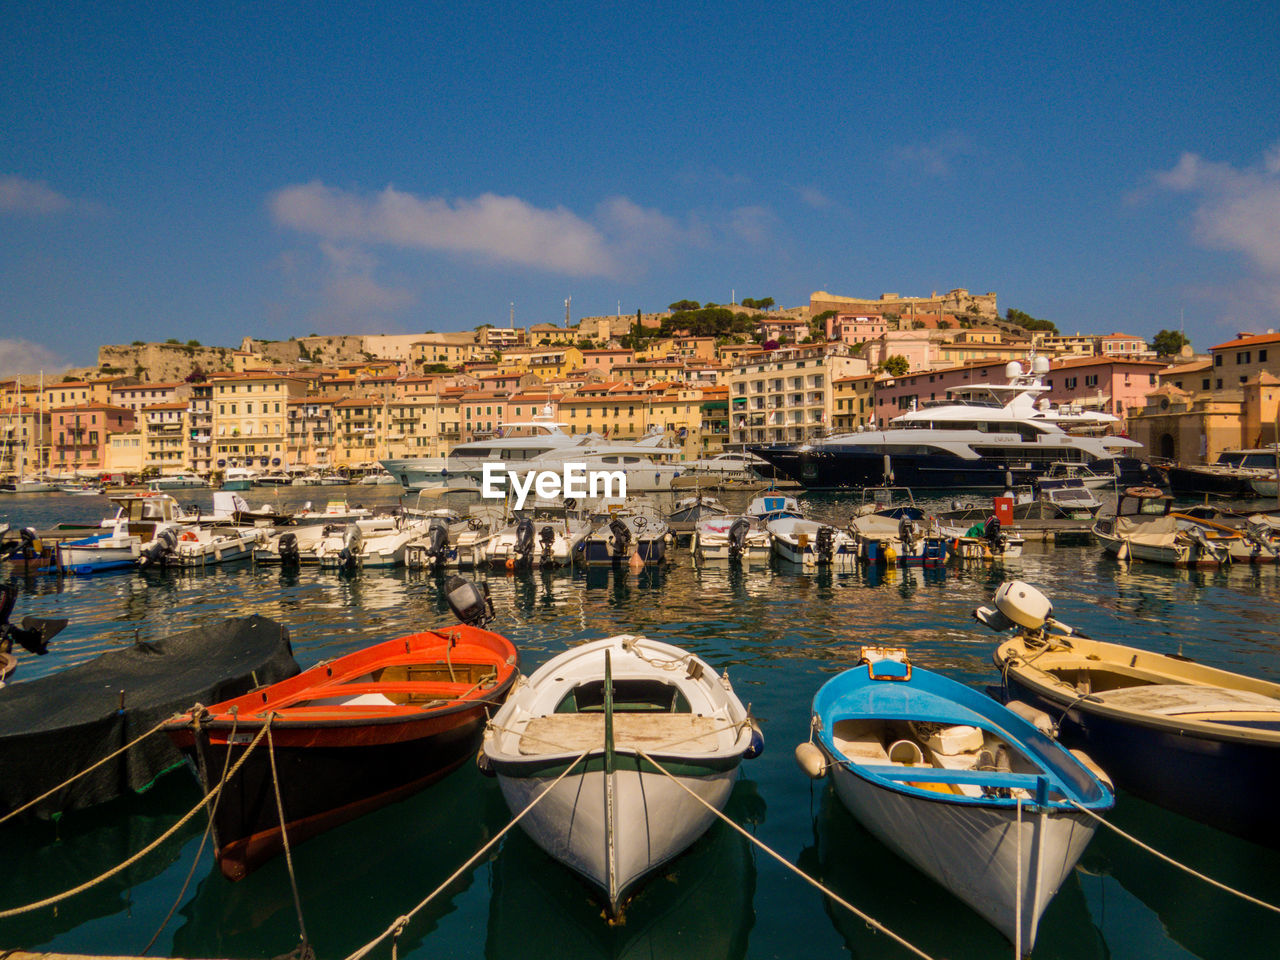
(437,541)
(738,537)
(287,547)
(160,550)
(547,537)
(352,545)
(1018,604)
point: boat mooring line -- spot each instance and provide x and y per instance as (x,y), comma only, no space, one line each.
(58,898)
(864,917)
(284,837)
(75,777)
(208,829)
(403,921)
(1182,866)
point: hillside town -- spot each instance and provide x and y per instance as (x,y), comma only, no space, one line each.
(711,378)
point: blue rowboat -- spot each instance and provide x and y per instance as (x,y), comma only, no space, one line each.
(958,785)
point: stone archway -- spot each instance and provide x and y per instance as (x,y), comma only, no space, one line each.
(1167,446)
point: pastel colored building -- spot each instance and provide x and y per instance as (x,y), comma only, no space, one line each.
(80,434)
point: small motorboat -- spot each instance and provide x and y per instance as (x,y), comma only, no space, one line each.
(987,541)
(350,735)
(549,535)
(889,528)
(198,546)
(630,532)
(1198,740)
(1072,497)
(738,539)
(811,542)
(112,549)
(612,712)
(335,511)
(972,794)
(1143,528)
(1254,542)
(57,726)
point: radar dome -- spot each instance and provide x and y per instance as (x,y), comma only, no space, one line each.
(1040,365)
(1013,369)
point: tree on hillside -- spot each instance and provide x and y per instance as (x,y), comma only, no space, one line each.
(896,365)
(1167,343)
(751,304)
(1028,322)
(684,305)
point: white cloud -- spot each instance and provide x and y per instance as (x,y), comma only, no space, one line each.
(20,195)
(504,229)
(23,356)
(1237,209)
(813,197)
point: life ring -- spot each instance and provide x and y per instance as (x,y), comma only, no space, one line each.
(1143,492)
(188,537)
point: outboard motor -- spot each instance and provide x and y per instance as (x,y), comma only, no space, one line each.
(1254,532)
(35,632)
(908,533)
(469,603)
(287,547)
(1206,548)
(825,544)
(352,544)
(996,538)
(547,537)
(29,545)
(437,541)
(524,542)
(621,537)
(160,549)
(738,537)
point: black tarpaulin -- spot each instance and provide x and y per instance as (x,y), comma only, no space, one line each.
(59,725)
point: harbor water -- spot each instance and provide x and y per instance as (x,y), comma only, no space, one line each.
(779,632)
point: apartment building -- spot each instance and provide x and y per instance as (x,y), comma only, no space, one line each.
(165,437)
(359,424)
(1238,360)
(25,440)
(137,395)
(786,396)
(200,428)
(80,434)
(309,432)
(853,402)
(250,417)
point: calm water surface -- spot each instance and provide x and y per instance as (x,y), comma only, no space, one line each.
(779,633)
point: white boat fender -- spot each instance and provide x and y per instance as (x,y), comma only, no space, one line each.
(811,760)
(1034,716)
(1092,766)
(756,747)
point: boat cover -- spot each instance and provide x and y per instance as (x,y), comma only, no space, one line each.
(1151,529)
(56,726)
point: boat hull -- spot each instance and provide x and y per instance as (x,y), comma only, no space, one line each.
(1222,782)
(570,823)
(974,850)
(328,776)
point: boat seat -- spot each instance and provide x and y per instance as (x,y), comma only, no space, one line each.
(860,741)
(1179,699)
(574,732)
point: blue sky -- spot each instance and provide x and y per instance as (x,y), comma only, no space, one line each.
(272,169)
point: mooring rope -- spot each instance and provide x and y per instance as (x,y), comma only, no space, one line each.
(401,922)
(1181,866)
(58,898)
(208,829)
(66,783)
(284,836)
(864,917)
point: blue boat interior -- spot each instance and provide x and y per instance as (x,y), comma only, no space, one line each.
(918,732)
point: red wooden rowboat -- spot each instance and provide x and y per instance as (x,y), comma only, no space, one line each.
(349,736)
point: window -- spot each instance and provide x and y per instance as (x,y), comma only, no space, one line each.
(1204,384)
(1219,383)
(1091,380)
(1262,356)
(1217,360)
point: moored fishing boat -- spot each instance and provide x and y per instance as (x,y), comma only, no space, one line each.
(960,786)
(811,542)
(1198,740)
(1144,529)
(608,714)
(349,735)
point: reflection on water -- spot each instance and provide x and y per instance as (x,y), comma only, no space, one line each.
(857,867)
(779,633)
(698,906)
